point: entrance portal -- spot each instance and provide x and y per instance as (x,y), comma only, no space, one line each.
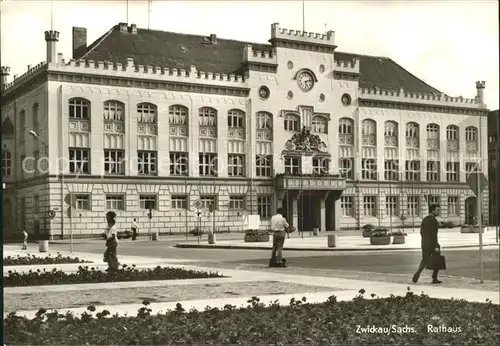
(471,211)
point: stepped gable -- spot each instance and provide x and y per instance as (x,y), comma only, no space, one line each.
(175,50)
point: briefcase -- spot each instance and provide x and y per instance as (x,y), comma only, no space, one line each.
(437,261)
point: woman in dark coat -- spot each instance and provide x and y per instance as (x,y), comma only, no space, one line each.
(110,255)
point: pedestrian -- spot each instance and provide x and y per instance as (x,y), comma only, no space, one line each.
(279,225)
(134,229)
(110,255)
(25,239)
(430,245)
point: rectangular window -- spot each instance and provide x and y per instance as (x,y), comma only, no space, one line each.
(452,171)
(433,171)
(146,201)
(292,123)
(369,169)
(82,202)
(115,202)
(236,202)
(347,168)
(321,165)
(36,204)
(453,206)
(146,162)
(235,165)
(391,170)
(347,205)
(207,164)
(114,162)
(392,205)
(471,167)
(413,205)
(370,205)
(179,202)
(292,165)
(263,165)
(208,200)
(179,164)
(433,199)
(79,161)
(413,170)
(264,206)
(6,163)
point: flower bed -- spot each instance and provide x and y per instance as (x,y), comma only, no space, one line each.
(329,323)
(381,236)
(84,275)
(34,260)
(256,236)
(471,229)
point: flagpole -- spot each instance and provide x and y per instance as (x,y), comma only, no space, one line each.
(378,197)
(479,202)
(127,12)
(303,17)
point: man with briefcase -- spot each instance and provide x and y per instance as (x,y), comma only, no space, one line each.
(431,250)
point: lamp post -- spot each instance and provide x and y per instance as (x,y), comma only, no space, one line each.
(46,151)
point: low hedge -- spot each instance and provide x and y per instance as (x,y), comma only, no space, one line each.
(410,319)
(86,275)
(34,260)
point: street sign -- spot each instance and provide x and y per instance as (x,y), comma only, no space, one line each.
(198,204)
(472,181)
(52,214)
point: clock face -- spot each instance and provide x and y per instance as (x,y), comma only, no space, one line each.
(306,81)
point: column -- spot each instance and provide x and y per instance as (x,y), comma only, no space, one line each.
(295,213)
(338,213)
(322,209)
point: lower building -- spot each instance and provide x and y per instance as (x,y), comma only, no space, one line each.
(493,164)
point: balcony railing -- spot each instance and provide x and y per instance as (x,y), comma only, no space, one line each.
(309,181)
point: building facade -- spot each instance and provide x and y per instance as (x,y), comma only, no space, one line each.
(494,173)
(144,118)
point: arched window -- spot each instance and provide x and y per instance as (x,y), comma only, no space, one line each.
(178,120)
(236,119)
(391,134)
(208,116)
(292,122)
(36,125)
(346,131)
(452,133)
(471,134)
(264,126)
(412,135)
(319,124)
(369,132)
(22,125)
(147,113)
(6,163)
(79,109)
(114,110)
(432,136)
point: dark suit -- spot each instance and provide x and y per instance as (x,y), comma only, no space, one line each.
(428,231)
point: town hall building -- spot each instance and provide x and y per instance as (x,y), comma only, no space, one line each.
(145,119)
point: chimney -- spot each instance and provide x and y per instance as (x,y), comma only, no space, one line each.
(123,27)
(60,58)
(213,38)
(5,71)
(480,85)
(133,29)
(79,42)
(51,37)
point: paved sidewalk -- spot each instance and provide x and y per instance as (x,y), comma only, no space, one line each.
(447,239)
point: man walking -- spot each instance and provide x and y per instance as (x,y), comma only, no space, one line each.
(278,227)
(25,240)
(430,245)
(134,229)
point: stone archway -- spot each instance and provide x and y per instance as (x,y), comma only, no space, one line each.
(471,210)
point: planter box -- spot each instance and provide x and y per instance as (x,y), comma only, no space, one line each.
(399,239)
(367,234)
(471,230)
(384,240)
(256,239)
(211,238)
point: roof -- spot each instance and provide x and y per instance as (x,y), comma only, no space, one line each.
(175,50)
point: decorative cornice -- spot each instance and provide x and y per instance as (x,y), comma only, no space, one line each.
(261,67)
(349,76)
(421,107)
(299,45)
(70,77)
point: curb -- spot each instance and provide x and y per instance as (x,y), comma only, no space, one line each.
(247,247)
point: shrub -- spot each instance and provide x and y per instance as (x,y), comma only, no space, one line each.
(328,323)
(368,227)
(34,260)
(381,232)
(197,231)
(398,232)
(93,275)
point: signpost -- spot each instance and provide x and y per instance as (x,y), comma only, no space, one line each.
(477,181)
(198,205)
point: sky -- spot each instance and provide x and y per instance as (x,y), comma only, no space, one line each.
(448,44)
